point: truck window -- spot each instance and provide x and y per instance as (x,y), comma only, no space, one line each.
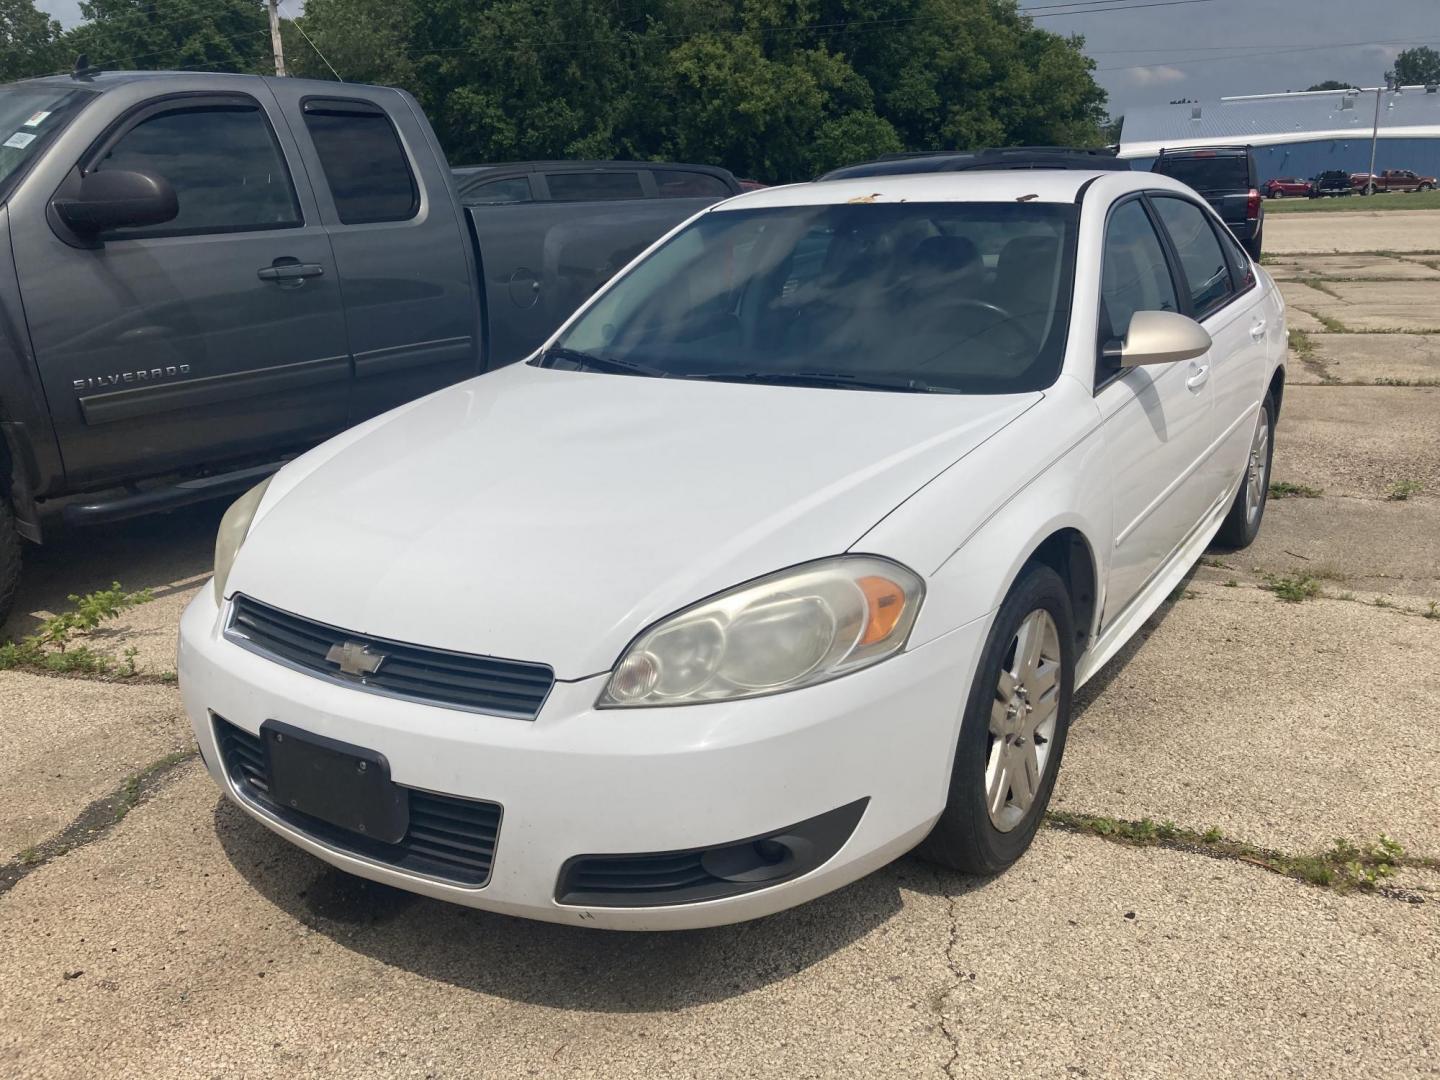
(682,184)
(586,186)
(29,117)
(365,165)
(222,160)
(511,189)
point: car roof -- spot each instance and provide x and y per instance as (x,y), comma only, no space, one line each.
(102,81)
(991,185)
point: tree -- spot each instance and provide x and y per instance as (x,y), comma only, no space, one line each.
(203,35)
(27,41)
(1420,65)
(1331,84)
(776,89)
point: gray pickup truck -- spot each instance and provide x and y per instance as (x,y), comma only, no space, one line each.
(201,275)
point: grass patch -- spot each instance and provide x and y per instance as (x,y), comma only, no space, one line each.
(1332,325)
(1293,588)
(1284,489)
(1343,866)
(1384,200)
(1402,490)
(1319,284)
(1433,610)
(53,649)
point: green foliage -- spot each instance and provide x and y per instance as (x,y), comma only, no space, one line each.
(1293,587)
(53,649)
(27,40)
(199,35)
(1401,490)
(775,89)
(1284,489)
(1418,65)
(1330,84)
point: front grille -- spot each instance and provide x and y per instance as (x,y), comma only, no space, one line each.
(449,839)
(414,672)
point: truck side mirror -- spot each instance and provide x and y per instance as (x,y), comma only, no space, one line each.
(117,199)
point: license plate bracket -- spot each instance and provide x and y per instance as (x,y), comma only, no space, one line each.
(341,784)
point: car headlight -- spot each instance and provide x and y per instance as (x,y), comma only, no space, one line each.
(795,628)
(234,527)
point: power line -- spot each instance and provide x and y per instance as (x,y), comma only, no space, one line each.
(1238,56)
(312,45)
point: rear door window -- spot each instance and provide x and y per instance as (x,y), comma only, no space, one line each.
(1201,256)
(683,184)
(365,165)
(510,189)
(588,186)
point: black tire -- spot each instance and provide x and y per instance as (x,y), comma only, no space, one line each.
(1240,527)
(965,838)
(9,559)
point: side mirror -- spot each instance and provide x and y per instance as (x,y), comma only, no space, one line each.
(1161,337)
(117,199)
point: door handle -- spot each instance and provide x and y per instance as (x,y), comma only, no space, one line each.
(1258,330)
(1194,382)
(289,271)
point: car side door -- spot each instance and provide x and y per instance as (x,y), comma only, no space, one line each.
(388,202)
(1157,419)
(218,335)
(1227,301)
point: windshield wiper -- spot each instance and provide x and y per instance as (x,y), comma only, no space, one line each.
(818,378)
(584,361)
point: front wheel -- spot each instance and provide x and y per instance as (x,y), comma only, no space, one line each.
(1242,523)
(9,559)
(1013,732)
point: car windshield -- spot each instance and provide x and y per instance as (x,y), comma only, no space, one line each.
(1211,173)
(947,297)
(28,116)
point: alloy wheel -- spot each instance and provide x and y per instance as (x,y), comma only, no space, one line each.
(1022,720)
(1258,470)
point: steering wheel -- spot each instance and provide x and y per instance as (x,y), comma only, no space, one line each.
(1021,343)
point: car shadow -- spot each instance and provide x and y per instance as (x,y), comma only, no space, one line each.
(158,552)
(563,967)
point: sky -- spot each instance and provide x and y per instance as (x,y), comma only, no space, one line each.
(1161,50)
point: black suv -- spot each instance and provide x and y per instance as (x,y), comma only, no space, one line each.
(1225,177)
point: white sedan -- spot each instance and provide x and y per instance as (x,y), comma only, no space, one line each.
(785,555)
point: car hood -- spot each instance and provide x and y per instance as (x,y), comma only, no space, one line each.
(549,516)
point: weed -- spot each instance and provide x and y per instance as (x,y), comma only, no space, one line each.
(1231,583)
(1386,380)
(1433,611)
(1219,564)
(1332,325)
(1321,285)
(53,647)
(1284,489)
(1382,602)
(1401,490)
(1292,587)
(1342,866)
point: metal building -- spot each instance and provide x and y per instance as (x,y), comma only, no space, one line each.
(1299,134)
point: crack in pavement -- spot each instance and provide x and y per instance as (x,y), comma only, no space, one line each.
(96,820)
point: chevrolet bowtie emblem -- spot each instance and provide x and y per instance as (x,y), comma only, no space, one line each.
(355,658)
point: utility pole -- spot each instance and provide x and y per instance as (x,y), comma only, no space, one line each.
(278,47)
(1374,139)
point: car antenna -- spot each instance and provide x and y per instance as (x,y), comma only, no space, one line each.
(83,70)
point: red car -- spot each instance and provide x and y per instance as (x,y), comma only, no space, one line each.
(1285,186)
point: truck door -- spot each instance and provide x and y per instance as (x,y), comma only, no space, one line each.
(216,336)
(387,199)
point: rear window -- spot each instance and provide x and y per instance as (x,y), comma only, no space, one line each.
(584,186)
(1229,172)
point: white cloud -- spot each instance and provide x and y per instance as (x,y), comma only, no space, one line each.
(1157,75)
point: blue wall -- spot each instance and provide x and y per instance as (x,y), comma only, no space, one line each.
(1305,159)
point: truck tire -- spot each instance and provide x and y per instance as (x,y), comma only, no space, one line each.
(9,559)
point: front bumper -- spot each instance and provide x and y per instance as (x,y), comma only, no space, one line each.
(577,780)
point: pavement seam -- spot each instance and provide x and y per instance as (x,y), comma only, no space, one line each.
(97,819)
(1312,870)
(952,904)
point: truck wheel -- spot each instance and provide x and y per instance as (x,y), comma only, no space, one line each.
(9,559)
(1426,187)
